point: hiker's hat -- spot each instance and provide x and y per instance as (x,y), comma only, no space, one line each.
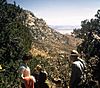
(74,53)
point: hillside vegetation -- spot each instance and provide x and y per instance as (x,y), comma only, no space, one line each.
(46,41)
(21,32)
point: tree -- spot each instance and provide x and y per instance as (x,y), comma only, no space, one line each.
(15,41)
(90,33)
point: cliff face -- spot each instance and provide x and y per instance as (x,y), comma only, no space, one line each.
(46,41)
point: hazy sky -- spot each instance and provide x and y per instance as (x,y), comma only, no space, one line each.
(61,12)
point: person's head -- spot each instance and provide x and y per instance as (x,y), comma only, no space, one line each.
(74,56)
(21,69)
(39,68)
(26,72)
(27,57)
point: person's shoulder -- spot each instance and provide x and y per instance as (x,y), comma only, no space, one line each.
(81,60)
(33,78)
(76,62)
(45,72)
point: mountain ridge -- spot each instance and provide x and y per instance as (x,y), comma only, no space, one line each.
(47,42)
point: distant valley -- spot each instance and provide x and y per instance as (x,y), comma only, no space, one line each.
(64,29)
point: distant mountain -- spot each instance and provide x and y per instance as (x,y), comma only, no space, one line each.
(64,28)
(47,42)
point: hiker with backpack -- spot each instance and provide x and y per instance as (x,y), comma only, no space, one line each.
(77,73)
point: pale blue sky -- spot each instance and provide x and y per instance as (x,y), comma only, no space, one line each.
(61,12)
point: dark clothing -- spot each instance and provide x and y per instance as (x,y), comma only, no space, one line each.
(42,76)
(35,74)
(76,74)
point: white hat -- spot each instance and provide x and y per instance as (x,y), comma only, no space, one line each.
(74,53)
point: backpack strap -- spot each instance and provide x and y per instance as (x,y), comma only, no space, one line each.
(83,71)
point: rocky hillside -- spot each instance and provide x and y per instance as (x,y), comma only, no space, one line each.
(46,41)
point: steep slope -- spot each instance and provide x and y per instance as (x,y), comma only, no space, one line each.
(46,41)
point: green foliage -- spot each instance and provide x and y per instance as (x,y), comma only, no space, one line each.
(15,38)
(15,41)
(90,33)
